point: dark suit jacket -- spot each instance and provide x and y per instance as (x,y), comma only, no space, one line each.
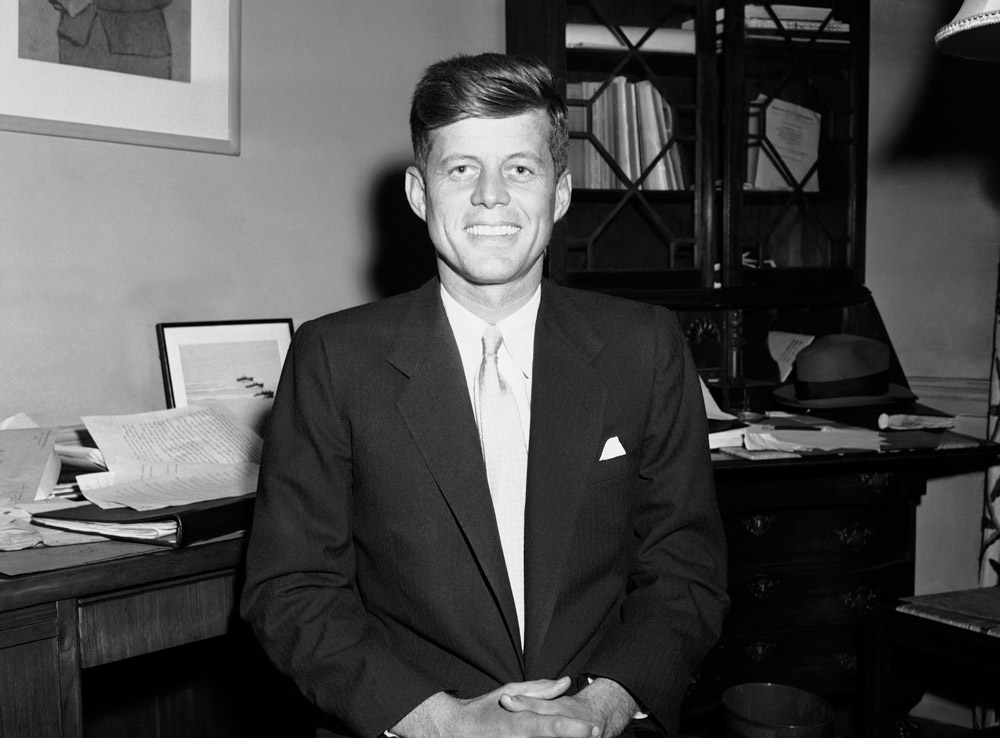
(375,575)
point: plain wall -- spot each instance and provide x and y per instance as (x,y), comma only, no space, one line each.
(101,241)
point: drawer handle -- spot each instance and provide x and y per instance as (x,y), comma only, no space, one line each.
(763,587)
(858,599)
(875,481)
(758,525)
(760,650)
(847,660)
(855,536)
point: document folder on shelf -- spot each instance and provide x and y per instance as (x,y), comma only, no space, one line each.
(169,526)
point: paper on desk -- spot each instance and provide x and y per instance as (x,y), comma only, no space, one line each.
(192,484)
(70,447)
(827,439)
(172,457)
(150,530)
(75,452)
(185,435)
(29,467)
(17,532)
(712,409)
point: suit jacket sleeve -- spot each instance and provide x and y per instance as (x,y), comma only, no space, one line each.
(300,594)
(675,601)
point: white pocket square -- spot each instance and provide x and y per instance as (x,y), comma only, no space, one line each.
(612,449)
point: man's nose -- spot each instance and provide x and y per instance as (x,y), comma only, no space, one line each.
(491,189)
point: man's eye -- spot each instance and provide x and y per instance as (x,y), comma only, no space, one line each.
(521,172)
(462,171)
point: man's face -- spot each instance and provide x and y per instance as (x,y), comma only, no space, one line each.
(490,197)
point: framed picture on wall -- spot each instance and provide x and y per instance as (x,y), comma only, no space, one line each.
(235,363)
(166,73)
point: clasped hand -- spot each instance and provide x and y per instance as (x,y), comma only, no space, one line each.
(536,709)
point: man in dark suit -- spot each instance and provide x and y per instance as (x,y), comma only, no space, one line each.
(486,506)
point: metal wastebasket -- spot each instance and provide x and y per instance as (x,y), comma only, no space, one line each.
(765,710)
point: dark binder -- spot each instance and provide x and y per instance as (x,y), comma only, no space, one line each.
(199,521)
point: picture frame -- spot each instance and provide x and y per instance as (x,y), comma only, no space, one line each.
(235,362)
(49,91)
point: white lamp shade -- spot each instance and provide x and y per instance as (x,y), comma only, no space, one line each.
(974,33)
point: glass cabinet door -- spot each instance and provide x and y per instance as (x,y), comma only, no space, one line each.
(639,156)
(795,108)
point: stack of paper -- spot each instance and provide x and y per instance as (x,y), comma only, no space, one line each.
(820,438)
(173,476)
(171,457)
(723,428)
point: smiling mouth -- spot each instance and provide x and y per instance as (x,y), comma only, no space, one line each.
(492,230)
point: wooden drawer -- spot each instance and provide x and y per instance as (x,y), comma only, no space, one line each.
(797,486)
(822,661)
(855,537)
(145,620)
(30,676)
(808,599)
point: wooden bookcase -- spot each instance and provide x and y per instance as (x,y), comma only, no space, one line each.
(732,258)
(738,251)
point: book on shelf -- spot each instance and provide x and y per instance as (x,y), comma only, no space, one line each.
(765,26)
(753,136)
(167,526)
(792,132)
(599,172)
(650,135)
(577,118)
(758,23)
(676,179)
(634,123)
(755,11)
(601,37)
(623,124)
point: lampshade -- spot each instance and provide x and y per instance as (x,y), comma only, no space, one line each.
(974,33)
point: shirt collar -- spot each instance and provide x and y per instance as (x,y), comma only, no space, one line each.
(518,329)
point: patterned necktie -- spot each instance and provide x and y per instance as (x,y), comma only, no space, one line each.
(506,462)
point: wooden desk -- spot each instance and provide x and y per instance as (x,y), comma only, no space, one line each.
(54,625)
(812,542)
(907,654)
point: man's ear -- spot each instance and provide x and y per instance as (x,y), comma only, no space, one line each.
(415,192)
(564,193)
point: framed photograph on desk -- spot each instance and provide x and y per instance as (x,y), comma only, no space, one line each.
(236,363)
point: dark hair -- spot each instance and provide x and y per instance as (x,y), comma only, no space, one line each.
(486,86)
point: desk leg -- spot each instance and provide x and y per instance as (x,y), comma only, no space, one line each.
(886,704)
(878,670)
(68,637)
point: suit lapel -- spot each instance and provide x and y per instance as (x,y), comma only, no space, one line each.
(567,410)
(436,408)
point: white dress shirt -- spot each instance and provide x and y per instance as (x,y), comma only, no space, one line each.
(514,358)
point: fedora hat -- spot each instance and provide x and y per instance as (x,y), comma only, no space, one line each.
(841,370)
